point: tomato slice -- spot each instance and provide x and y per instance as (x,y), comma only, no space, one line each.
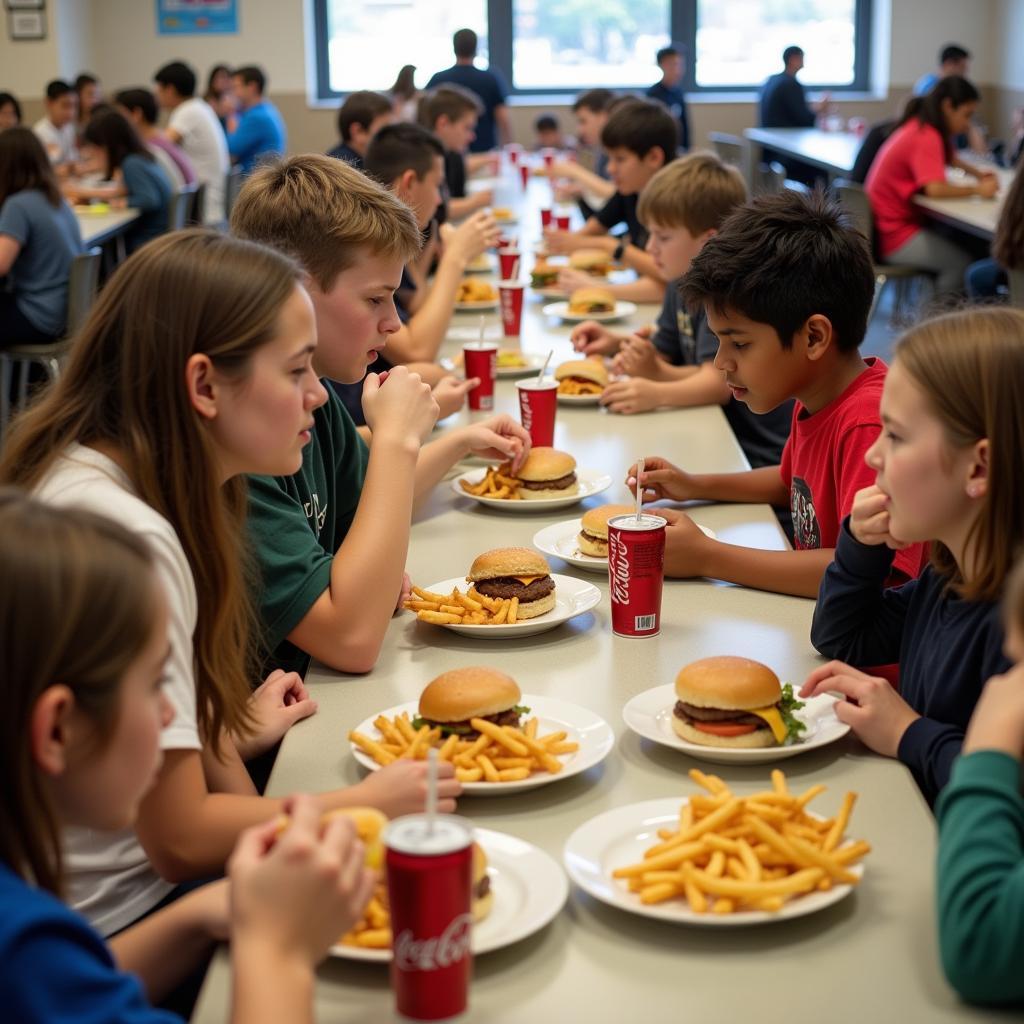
(724,728)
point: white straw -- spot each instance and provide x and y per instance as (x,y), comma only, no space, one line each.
(544,368)
(483,325)
(515,269)
(639,489)
(431,788)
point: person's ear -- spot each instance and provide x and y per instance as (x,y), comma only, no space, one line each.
(50,728)
(655,158)
(405,183)
(818,336)
(978,470)
(201,385)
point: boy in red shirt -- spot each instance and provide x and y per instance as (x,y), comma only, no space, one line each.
(786,285)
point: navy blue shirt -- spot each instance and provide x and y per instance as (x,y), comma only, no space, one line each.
(783,104)
(947,648)
(489,86)
(675,100)
(343,151)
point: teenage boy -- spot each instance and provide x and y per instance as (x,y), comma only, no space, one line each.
(139,107)
(194,127)
(592,109)
(668,89)
(259,134)
(360,117)
(672,364)
(331,541)
(640,138)
(56,128)
(786,286)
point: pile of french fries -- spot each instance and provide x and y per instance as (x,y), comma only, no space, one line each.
(373,929)
(734,853)
(473,290)
(495,484)
(576,386)
(498,754)
(457,608)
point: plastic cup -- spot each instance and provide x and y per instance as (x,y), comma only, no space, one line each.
(549,156)
(562,221)
(509,261)
(511,295)
(538,402)
(524,174)
(545,217)
(480,359)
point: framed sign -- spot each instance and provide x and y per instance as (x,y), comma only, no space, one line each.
(196,17)
(25,24)
(31,5)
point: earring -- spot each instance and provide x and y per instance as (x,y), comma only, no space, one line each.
(973,491)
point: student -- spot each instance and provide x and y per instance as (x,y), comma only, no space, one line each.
(640,138)
(90,96)
(404,94)
(10,111)
(331,540)
(953,60)
(194,127)
(219,94)
(139,106)
(981,834)
(193,368)
(360,117)
(592,110)
(683,206)
(84,645)
(39,239)
(948,463)
(451,114)
(785,286)
(986,278)
(548,135)
(913,160)
(138,179)
(259,134)
(494,126)
(668,89)
(56,128)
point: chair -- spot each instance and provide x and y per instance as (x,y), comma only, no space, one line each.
(83,283)
(197,209)
(733,150)
(180,207)
(855,200)
(232,187)
(1016,287)
(769,180)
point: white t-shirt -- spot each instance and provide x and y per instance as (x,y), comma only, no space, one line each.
(61,144)
(171,169)
(110,879)
(203,141)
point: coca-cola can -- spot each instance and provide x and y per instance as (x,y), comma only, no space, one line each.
(636,573)
(430,878)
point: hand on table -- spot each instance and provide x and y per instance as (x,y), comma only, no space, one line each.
(631,395)
(593,339)
(638,357)
(686,545)
(570,279)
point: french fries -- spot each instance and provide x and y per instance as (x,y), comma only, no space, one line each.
(576,386)
(472,289)
(732,854)
(499,754)
(495,484)
(373,929)
(457,608)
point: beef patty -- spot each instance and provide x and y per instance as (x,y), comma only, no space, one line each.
(549,485)
(503,587)
(463,728)
(688,712)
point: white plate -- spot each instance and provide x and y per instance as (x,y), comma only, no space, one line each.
(650,715)
(551,291)
(590,482)
(504,222)
(590,731)
(619,837)
(572,597)
(533,363)
(578,399)
(561,310)
(530,889)
(476,307)
(560,540)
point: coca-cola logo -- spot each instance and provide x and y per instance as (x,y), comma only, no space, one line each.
(618,568)
(526,411)
(436,953)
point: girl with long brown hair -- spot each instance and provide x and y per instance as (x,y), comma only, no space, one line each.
(194,367)
(949,465)
(83,642)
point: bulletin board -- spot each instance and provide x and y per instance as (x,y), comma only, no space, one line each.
(196,17)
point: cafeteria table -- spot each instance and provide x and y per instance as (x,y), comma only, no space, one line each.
(871,957)
(973,215)
(833,152)
(99,228)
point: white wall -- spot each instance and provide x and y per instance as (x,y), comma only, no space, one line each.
(920,27)
(26,66)
(1008,43)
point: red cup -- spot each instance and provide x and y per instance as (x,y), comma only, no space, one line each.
(480,358)
(636,573)
(545,217)
(513,149)
(504,242)
(430,881)
(524,173)
(562,221)
(538,401)
(511,295)
(549,157)
(509,261)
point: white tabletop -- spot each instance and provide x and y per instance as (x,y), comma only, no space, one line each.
(834,152)
(872,957)
(97,228)
(972,214)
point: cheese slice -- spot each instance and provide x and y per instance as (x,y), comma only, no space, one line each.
(774,720)
(526,580)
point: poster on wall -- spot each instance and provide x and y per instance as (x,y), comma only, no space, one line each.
(196,17)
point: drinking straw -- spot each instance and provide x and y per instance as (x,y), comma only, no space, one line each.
(431,789)
(544,368)
(639,487)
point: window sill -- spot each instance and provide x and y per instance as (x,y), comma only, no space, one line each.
(565,99)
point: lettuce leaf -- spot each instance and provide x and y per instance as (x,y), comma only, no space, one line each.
(788,705)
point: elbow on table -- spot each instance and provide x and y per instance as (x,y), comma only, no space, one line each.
(354,656)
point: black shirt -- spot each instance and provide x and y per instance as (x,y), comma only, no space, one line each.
(491,89)
(345,152)
(622,209)
(783,104)
(675,100)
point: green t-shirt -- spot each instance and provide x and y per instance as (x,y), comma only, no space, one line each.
(298,522)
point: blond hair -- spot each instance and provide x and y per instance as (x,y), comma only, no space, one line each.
(696,192)
(324,214)
(970,366)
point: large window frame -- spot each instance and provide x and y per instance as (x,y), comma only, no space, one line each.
(682,29)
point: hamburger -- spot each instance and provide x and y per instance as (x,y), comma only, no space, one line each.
(593,535)
(734,702)
(582,377)
(514,572)
(545,473)
(591,261)
(585,301)
(451,700)
(543,275)
(483,896)
(369,825)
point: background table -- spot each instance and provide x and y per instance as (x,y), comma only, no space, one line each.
(971,214)
(834,152)
(99,228)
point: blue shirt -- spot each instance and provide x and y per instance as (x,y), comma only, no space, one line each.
(54,968)
(675,100)
(925,84)
(149,190)
(260,133)
(49,240)
(489,86)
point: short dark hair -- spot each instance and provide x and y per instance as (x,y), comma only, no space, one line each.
(951,52)
(464,43)
(179,76)
(361,108)
(451,101)
(546,123)
(668,51)
(780,259)
(116,134)
(790,52)
(594,100)
(251,75)
(138,99)
(57,88)
(398,148)
(7,98)
(85,79)
(640,126)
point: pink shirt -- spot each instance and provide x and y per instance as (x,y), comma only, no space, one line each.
(911,157)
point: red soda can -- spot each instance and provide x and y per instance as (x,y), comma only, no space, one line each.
(562,221)
(480,359)
(538,402)
(636,572)
(545,217)
(511,295)
(430,879)
(524,174)
(508,263)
